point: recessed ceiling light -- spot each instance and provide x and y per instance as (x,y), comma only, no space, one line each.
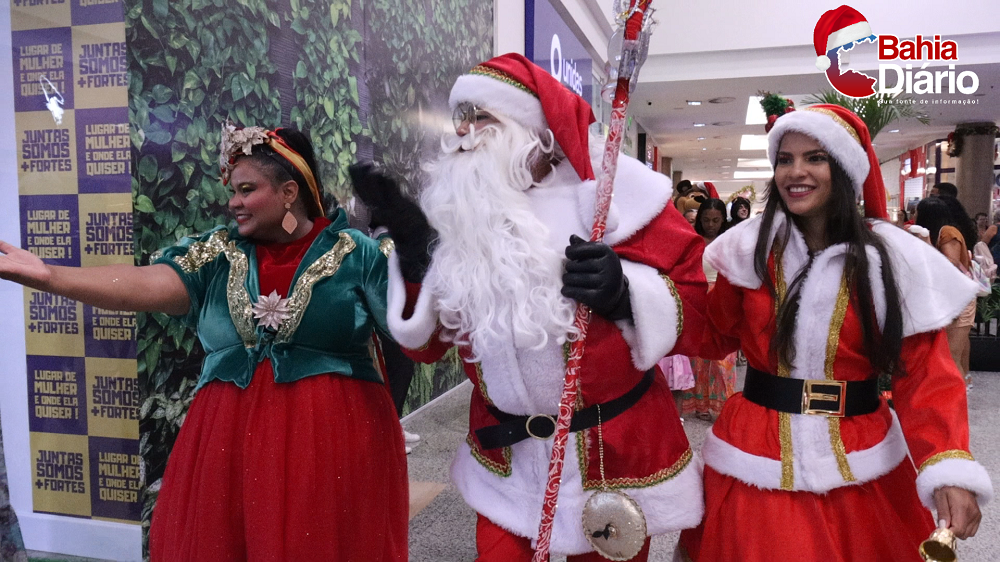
(704,149)
(693,102)
(701,138)
(699,124)
(727,166)
(753,163)
(753,142)
(738,175)
(722,100)
(755,113)
(894,131)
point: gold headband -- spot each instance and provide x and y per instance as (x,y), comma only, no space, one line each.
(837,119)
(238,142)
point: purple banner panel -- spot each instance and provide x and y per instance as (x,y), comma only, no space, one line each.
(102,151)
(57,393)
(109,333)
(114,478)
(49,228)
(87,12)
(108,234)
(43,60)
(46,150)
(103,65)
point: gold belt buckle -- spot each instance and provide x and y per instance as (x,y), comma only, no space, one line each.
(527,426)
(809,395)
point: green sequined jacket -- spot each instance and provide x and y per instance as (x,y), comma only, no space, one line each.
(338,298)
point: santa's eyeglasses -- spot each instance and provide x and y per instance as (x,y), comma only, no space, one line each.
(470,113)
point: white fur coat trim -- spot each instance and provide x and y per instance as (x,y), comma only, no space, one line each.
(652,332)
(814,470)
(931,290)
(962,473)
(493,95)
(415,331)
(514,502)
(640,195)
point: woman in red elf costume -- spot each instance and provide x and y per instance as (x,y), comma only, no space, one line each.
(808,462)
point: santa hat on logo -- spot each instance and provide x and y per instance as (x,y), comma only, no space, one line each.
(518,89)
(845,136)
(836,28)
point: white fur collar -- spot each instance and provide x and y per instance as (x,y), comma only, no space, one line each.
(932,291)
(640,195)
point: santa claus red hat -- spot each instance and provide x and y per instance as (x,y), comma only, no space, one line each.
(845,136)
(835,28)
(514,87)
(709,188)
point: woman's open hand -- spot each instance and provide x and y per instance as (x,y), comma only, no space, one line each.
(22,266)
(959,508)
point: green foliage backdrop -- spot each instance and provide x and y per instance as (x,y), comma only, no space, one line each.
(195,63)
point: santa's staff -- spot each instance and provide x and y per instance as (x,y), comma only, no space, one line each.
(634,31)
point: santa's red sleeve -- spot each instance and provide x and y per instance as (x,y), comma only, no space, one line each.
(930,399)
(667,289)
(412,318)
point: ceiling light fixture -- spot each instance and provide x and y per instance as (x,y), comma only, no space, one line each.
(753,142)
(701,138)
(693,102)
(699,124)
(755,113)
(894,131)
(738,175)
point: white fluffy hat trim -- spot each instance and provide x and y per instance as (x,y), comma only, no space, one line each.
(831,135)
(496,96)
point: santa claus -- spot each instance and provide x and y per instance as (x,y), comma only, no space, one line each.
(493,260)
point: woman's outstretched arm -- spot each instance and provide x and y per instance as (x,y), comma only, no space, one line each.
(153,288)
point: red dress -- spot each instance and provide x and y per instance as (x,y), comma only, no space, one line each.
(805,487)
(309,470)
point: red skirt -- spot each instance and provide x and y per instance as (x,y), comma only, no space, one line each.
(878,520)
(310,470)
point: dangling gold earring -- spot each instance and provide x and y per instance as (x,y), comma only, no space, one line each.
(289,223)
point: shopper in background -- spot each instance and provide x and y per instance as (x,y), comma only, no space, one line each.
(937,216)
(739,211)
(714,380)
(944,188)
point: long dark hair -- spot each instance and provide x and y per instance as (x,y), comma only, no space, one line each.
(844,225)
(708,205)
(933,214)
(279,170)
(961,220)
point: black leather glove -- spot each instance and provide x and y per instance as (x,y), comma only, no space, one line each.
(594,277)
(407,224)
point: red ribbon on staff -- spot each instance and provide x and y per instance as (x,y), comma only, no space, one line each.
(605,188)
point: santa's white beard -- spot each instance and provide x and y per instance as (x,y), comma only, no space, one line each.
(495,276)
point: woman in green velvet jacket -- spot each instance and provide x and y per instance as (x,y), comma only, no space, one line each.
(291,449)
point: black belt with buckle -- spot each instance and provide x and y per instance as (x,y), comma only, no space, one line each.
(829,398)
(513,429)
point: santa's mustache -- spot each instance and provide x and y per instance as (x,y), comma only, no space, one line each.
(452,143)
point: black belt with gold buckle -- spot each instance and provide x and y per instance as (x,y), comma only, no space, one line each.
(513,429)
(831,398)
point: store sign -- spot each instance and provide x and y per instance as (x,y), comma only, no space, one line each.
(552,45)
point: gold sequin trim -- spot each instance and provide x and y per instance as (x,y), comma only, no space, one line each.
(653,479)
(201,253)
(482,384)
(324,267)
(503,470)
(832,342)
(785,438)
(838,119)
(784,418)
(677,301)
(240,309)
(944,455)
(386,246)
(502,76)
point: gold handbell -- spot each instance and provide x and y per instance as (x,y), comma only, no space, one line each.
(940,546)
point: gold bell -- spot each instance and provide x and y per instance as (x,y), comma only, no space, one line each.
(940,546)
